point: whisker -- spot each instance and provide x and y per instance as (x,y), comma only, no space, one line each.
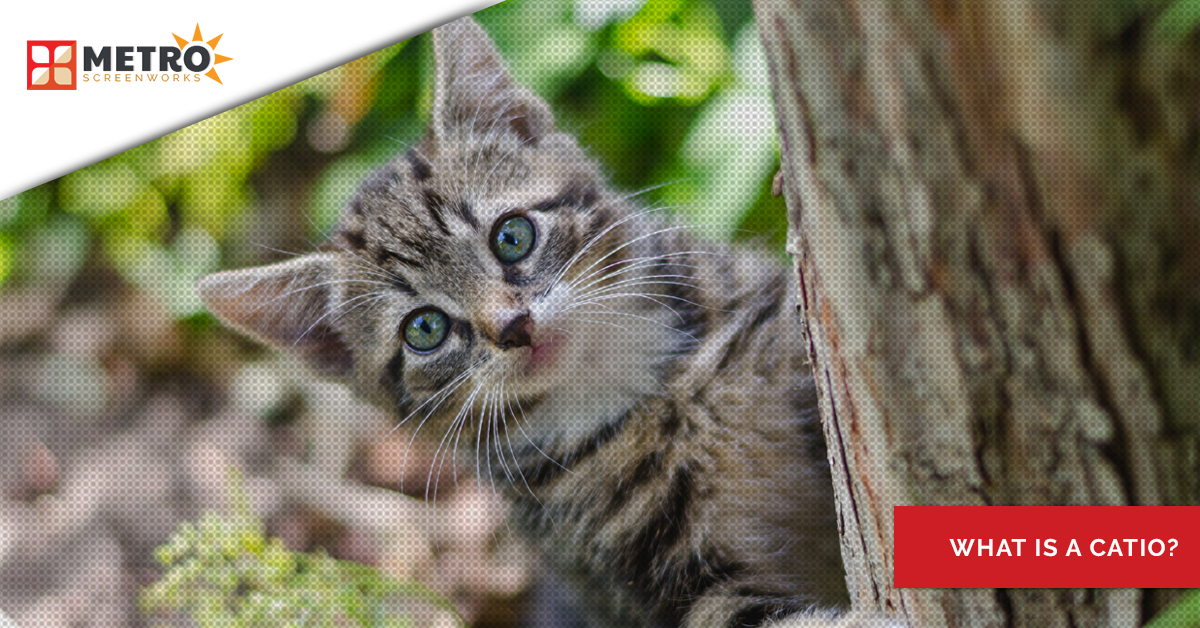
(389,279)
(531,442)
(494,429)
(456,382)
(609,323)
(483,438)
(275,250)
(367,303)
(469,408)
(645,280)
(644,318)
(456,426)
(334,282)
(512,452)
(632,265)
(607,292)
(610,292)
(440,398)
(330,312)
(596,238)
(648,260)
(615,250)
(598,299)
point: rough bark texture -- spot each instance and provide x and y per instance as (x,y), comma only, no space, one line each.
(995,212)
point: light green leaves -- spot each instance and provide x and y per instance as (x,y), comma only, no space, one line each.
(224,572)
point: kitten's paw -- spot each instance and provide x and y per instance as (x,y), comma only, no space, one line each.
(835,619)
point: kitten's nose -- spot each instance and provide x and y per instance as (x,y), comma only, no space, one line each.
(518,332)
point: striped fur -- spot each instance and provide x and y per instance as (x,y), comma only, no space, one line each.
(639,392)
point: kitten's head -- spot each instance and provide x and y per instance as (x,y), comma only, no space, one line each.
(486,273)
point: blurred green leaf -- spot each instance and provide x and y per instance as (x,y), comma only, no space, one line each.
(680,50)
(1181,19)
(33,208)
(8,209)
(334,189)
(101,189)
(55,251)
(6,258)
(732,144)
(1184,613)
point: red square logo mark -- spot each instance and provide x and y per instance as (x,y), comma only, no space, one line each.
(50,64)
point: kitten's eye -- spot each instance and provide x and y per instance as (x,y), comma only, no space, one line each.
(425,330)
(513,239)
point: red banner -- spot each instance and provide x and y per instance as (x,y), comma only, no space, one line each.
(1047,546)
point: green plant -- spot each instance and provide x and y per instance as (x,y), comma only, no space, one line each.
(224,572)
(1184,613)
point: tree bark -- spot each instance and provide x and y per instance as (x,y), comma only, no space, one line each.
(995,218)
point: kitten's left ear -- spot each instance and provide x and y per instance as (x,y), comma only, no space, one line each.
(284,305)
(473,91)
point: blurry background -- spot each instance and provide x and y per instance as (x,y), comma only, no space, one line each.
(123,403)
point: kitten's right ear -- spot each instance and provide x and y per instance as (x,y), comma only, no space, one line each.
(473,91)
(285,305)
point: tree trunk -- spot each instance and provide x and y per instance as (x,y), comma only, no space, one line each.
(995,217)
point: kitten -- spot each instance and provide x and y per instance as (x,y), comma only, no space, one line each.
(643,394)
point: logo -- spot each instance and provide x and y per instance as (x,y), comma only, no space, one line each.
(50,64)
(53,64)
(192,50)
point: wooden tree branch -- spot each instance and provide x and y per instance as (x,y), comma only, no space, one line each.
(994,212)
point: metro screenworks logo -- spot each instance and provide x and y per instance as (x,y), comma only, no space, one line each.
(53,64)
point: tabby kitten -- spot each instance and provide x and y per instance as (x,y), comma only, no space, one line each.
(639,391)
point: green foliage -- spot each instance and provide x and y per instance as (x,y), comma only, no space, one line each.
(661,91)
(1184,613)
(224,572)
(1180,20)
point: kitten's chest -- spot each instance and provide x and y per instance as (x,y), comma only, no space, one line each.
(687,491)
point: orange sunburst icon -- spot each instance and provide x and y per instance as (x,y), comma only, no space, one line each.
(212,45)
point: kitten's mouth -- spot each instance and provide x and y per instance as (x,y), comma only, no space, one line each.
(543,355)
